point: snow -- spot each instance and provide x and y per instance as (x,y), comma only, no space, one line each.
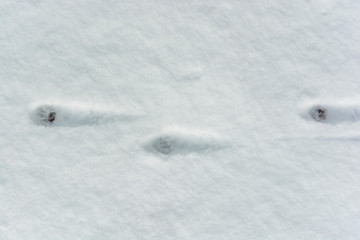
(179,120)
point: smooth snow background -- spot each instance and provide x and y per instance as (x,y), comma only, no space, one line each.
(243,71)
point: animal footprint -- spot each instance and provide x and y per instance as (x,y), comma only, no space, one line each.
(163,145)
(318,113)
(44,115)
(333,113)
(72,115)
(180,141)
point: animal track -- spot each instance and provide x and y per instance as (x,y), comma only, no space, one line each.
(46,115)
(332,113)
(72,115)
(51,116)
(180,141)
(318,113)
(163,145)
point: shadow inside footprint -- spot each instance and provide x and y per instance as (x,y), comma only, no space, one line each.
(68,115)
(318,113)
(332,113)
(44,115)
(182,141)
(162,145)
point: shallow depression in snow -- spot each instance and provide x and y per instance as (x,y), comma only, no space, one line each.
(332,113)
(72,115)
(183,141)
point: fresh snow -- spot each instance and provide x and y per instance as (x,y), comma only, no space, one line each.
(201,120)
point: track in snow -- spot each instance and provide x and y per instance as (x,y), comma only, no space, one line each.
(183,141)
(72,115)
(332,113)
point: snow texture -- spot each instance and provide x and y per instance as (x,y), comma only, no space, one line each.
(194,119)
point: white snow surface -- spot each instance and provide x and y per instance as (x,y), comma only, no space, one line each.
(180,119)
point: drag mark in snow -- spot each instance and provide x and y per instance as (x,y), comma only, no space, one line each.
(332,113)
(72,115)
(182,141)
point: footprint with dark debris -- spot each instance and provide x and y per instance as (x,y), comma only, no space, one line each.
(332,113)
(318,113)
(72,115)
(44,115)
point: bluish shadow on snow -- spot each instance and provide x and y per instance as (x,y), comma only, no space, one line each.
(339,139)
(53,115)
(181,141)
(319,138)
(332,113)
